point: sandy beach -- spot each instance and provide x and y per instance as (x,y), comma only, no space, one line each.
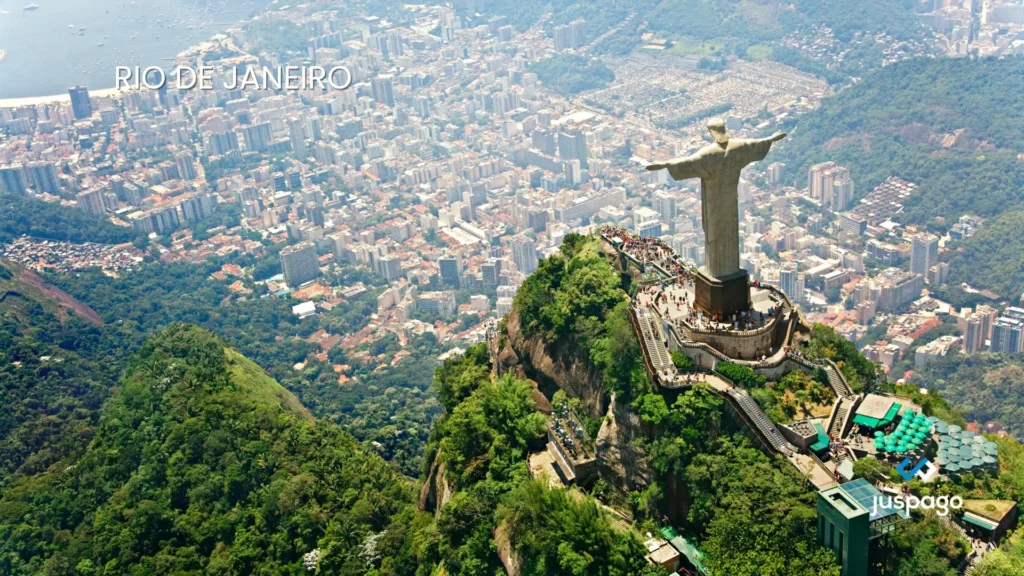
(36,100)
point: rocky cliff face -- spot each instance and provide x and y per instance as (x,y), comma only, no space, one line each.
(436,491)
(621,463)
(551,368)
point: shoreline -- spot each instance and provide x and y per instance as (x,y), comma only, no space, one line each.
(102,93)
(37,100)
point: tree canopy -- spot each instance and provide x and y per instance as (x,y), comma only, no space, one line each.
(203,463)
(23,215)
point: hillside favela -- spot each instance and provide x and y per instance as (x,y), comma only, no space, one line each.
(524,288)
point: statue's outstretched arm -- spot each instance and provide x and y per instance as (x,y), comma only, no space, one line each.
(681,168)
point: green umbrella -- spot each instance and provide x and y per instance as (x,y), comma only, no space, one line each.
(988,460)
(941,461)
(879,434)
(952,468)
(920,435)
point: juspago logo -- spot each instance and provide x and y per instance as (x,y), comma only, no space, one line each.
(907,502)
(941,504)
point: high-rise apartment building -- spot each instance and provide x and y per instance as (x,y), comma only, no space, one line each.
(383,89)
(91,202)
(572,145)
(924,253)
(665,205)
(450,268)
(524,253)
(81,106)
(12,179)
(842,194)
(300,264)
(44,177)
(257,137)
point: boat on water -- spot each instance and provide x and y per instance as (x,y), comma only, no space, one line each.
(31,7)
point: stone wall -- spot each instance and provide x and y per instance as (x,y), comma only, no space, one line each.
(749,345)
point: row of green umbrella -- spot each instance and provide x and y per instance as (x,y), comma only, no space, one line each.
(909,434)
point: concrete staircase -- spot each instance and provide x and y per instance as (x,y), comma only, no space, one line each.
(840,416)
(753,413)
(836,380)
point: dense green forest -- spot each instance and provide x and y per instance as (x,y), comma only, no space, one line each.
(277,36)
(986,386)
(993,258)
(895,122)
(49,391)
(569,74)
(201,463)
(392,406)
(577,300)
(482,441)
(24,215)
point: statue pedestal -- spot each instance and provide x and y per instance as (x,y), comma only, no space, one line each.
(722,296)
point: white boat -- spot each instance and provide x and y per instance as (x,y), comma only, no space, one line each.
(32,7)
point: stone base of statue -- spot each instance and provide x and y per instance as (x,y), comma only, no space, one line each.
(724,296)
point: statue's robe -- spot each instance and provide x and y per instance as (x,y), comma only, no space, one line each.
(719,170)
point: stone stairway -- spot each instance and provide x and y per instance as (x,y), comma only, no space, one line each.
(836,380)
(842,413)
(760,420)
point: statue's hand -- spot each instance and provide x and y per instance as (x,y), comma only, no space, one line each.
(778,136)
(657,166)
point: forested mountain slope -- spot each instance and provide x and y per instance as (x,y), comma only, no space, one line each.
(201,463)
(953,126)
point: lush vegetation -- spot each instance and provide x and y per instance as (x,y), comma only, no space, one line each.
(827,344)
(734,25)
(391,405)
(276,36)
(993,257)
(1007,560)
(21,215)
(753,515)
(481,441)
(570,74)
(559,532)
(896,122)
(201,463)
(984,387)
(49,391)
(576,300)
(741,375)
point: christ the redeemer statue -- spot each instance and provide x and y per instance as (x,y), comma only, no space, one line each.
(718,166)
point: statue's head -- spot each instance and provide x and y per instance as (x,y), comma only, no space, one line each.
(717,128)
